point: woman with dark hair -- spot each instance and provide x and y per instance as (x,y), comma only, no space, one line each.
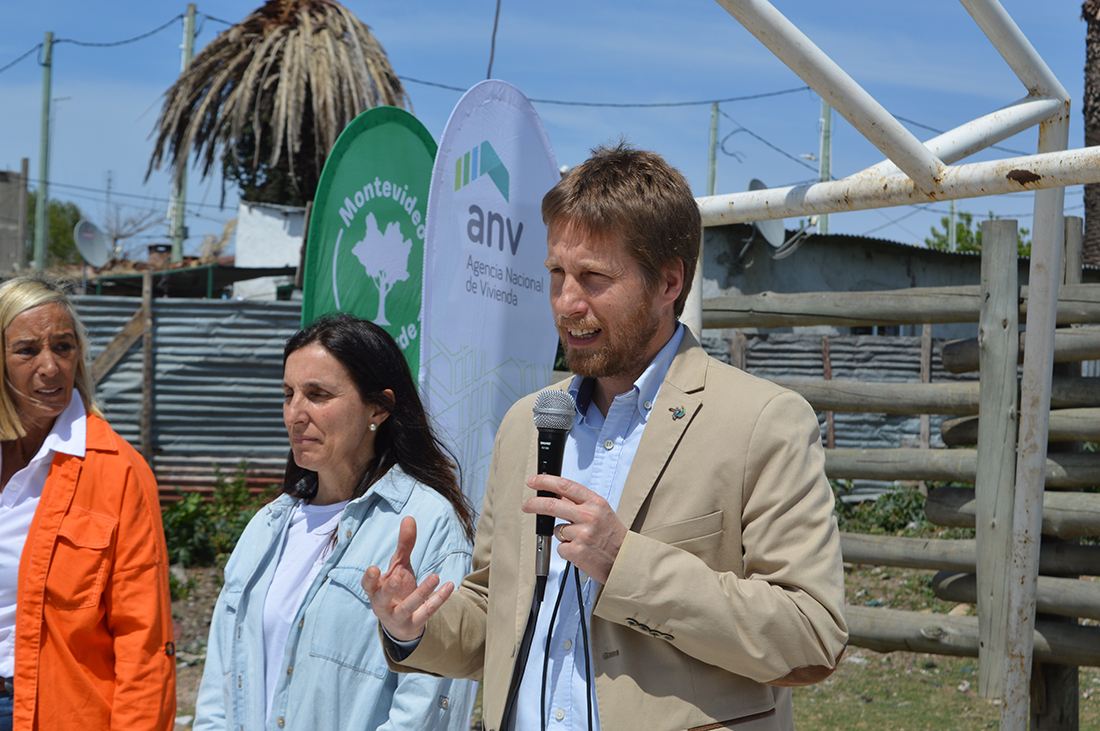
(293,641)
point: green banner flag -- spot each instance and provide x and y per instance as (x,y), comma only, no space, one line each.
(365,250)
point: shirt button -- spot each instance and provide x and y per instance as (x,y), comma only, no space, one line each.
(567,644)
(289,670)
(280,722)
(559,714)
(349,535)
(609,445)
(648,405)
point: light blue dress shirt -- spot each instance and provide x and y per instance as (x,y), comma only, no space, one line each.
(598,455)
(335,671)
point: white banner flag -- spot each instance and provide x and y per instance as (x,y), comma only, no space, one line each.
(488,336)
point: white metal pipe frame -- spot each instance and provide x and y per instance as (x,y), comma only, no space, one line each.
(918,173)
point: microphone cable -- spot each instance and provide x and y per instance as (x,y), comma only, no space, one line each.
(589,689)
(584,635)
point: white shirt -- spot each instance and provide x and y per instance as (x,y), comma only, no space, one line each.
(307,538)
(18,503)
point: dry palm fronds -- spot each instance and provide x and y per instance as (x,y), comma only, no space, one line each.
(263,73)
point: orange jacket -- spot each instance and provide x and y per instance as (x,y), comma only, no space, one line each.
(93,629)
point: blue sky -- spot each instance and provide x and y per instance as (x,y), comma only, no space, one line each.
(925,62)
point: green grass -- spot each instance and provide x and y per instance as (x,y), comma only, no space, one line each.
(905,691)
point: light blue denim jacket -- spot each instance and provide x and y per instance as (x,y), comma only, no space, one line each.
(336,674)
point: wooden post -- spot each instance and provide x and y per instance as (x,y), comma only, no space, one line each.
(737,350)
(300,270)
(147,369)
(24,175)
(1055,689)
(998,333)
(118,347)
(827,367)
(925,377)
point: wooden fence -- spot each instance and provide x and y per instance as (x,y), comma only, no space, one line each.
(972,571)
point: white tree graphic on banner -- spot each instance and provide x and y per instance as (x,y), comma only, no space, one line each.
(385,256)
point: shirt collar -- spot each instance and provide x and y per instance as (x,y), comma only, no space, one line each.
(395,487)
(70,430)
(647,385)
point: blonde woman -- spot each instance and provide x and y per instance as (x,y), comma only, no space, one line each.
(85,616)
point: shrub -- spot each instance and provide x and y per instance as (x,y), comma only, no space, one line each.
(178,589)
(200,531)
(900,509)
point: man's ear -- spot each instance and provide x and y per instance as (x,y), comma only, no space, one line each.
(671,282)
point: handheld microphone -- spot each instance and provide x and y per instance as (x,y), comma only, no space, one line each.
(554,413)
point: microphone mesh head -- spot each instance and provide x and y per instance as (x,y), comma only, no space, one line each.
(554,410)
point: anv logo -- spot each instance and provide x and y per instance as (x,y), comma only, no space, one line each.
(481,160)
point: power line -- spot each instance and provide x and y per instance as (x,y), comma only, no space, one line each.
(493,42)
(940,132)
(217,20)
(743,128)
(915,211)
(625,105)
(5,67)
(123,195)
(120,43)
(90,44)
(654,105)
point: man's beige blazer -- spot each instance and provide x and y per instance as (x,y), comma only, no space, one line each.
(728,587)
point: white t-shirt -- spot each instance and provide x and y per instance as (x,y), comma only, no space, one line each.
(18,504)
(308,542)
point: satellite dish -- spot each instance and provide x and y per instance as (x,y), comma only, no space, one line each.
(92,244)
(774,232)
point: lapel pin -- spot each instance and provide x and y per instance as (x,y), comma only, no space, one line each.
(677,412)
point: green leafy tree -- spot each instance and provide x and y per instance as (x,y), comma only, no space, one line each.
(60,247)
(968,237)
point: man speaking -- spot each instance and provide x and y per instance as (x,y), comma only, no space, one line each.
(697,572)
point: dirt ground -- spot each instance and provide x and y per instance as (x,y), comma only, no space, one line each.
(191,617)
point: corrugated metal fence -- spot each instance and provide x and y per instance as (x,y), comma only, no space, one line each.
(218,367)
(217,375)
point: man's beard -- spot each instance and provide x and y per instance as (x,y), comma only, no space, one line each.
(626,352)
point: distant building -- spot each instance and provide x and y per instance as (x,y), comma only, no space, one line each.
(13,220)
(267,236)
(735,261)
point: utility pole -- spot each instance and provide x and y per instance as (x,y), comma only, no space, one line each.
(712,163)
(42,199)
(179,195)
(952,242)
(825,167)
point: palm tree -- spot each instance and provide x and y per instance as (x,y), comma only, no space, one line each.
(1090,12)
(270,95)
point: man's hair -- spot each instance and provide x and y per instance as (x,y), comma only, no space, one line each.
(17,295)
(633,194)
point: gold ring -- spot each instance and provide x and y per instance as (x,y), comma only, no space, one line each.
(557,532)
